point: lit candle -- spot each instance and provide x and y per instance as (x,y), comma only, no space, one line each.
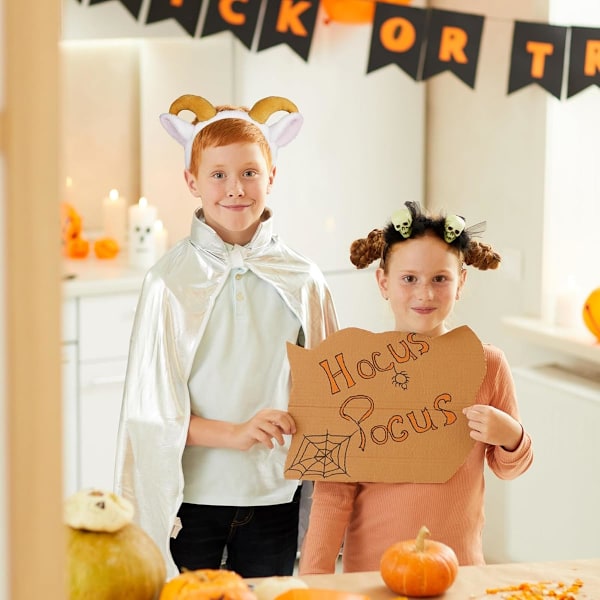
(160,238)
(142,249)
(115,217)
(69,196)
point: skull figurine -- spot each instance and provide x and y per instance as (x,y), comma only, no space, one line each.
(402,221)
(453,227)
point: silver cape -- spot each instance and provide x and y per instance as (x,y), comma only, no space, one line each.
(176,300)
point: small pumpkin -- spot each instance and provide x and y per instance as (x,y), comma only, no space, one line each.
(77,248)
(207,584)
(419,567)
(106,247)
(591,313)
(108,556)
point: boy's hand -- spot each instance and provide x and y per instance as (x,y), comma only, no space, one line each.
(493,426)
(265,426)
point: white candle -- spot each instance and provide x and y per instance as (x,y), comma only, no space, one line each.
(567,309)
(142,249)
(160,238)
(115,216)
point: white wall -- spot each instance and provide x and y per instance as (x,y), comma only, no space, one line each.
(572,242)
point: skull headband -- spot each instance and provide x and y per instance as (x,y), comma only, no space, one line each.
(278,134)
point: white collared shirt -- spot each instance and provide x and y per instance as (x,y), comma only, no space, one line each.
(240,367)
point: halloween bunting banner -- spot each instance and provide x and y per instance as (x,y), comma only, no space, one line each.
(538,54)
(422,42)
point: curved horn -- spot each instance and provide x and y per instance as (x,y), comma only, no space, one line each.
(200,106)
(264,108)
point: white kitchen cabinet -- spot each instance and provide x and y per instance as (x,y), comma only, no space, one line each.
(70,419)
(97,320)
(100,392)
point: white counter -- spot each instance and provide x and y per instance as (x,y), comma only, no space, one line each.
(93,276)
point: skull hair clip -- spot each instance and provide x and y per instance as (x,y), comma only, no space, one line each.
(453,227)
(402,222)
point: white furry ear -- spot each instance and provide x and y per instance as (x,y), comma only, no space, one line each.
(285,130)
(182,131)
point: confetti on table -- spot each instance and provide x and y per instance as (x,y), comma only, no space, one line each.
(541,590)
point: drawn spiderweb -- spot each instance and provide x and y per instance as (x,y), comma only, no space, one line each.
(322,455)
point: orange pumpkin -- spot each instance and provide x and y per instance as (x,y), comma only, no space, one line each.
(591,313)
(106,248)
(420,567)
(77,248)
(207,584)
(353,11)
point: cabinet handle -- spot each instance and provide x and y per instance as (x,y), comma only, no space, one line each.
(108,379)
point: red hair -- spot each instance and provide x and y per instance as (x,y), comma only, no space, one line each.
(225,132)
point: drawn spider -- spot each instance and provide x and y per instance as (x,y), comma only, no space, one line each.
(401,379)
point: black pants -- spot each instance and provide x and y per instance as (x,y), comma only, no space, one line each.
(260,541)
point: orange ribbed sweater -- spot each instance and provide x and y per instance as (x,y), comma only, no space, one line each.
(369,517)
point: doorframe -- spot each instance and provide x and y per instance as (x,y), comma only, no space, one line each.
(35,544)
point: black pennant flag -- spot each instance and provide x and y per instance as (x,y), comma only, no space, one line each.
(133,6)
(537,56)
(584,61)
(397,37)
(185,12)
(238,17)
(453,42)
(290,22)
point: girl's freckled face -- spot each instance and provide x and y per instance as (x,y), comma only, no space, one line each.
(422,281)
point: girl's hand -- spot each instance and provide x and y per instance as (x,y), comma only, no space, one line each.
(493,426)
(265,426)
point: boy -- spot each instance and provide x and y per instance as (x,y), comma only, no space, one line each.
(201,441)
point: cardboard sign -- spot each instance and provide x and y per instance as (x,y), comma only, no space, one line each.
(383,406)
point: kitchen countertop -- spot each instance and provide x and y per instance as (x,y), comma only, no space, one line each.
(93,276)
(472,582)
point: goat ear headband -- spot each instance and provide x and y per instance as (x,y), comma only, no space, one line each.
(278,134)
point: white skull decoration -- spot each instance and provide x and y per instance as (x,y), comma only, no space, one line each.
(453,227)
(402,221)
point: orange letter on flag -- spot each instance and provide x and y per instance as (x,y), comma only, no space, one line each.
(228,14)
(397,34)
(539,50)
(592,58)
(288,17)
(452,45)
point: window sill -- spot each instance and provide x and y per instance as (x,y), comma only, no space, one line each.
(572,342)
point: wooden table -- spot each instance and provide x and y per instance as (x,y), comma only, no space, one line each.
(472,582)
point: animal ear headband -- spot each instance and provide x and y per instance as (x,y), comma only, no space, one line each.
(278,134)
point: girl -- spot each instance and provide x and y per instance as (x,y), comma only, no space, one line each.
(421,274)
